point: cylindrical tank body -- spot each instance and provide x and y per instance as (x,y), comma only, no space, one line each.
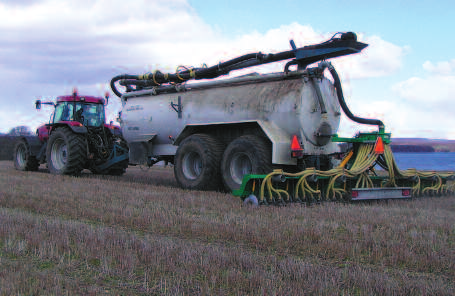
(282,105)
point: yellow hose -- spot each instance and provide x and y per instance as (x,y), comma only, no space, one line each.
(365,160)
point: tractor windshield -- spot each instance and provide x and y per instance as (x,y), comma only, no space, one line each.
(88,114)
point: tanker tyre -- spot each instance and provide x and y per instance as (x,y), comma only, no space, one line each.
(197,163)
(66,152)
(247,154)
(23,160)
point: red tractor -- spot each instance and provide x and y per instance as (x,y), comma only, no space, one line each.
(76,138)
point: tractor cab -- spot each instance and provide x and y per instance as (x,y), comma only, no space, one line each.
(88,111)
(74,111)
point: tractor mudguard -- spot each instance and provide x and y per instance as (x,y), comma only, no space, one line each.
(78,129)
(75,126)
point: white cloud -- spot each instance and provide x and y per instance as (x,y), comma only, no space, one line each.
(27,116)
(427,103)
(440,68)
(436,92)
(401,119)
(50,46)
(88,37)
(380,58)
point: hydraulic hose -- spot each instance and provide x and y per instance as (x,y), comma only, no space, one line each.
(335,47)
(337,83)
(121,77)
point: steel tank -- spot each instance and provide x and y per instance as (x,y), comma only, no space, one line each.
(282,105)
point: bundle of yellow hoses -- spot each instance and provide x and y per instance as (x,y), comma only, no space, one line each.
(363,163)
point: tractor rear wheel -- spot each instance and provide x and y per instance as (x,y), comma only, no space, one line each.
(197,163)
(247,154)
(23,160)
(66,152)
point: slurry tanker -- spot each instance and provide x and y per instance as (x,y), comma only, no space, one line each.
(268,138)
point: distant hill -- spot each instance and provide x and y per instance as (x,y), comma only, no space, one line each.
(422,145)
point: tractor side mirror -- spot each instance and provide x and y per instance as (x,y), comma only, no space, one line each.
(38,104)
(106,96)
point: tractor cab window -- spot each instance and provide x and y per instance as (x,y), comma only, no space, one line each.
(89,114)
(63,112)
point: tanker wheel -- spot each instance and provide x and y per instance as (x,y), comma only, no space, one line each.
(23,160)
(197,163)
(66,152)
(247,154)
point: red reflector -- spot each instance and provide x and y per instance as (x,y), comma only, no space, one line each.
(355,194)
(405,192)
(295,145)
(296,149)
(379,147)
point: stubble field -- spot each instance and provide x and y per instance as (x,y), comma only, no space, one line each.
(140,234)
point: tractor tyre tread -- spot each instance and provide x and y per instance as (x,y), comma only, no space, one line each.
(76,152)
(29,162)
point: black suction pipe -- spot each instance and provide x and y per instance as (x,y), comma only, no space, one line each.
(341,100)
(346,44)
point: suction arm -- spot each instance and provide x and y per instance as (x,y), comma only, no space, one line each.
(337,82)
(345,44)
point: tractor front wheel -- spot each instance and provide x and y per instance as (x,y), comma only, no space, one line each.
(66,152)
(23,160)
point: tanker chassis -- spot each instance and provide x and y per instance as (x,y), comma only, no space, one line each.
(228,134)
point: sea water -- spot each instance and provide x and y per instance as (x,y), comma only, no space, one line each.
(438,161)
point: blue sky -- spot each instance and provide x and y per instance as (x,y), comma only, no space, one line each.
(406,77)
